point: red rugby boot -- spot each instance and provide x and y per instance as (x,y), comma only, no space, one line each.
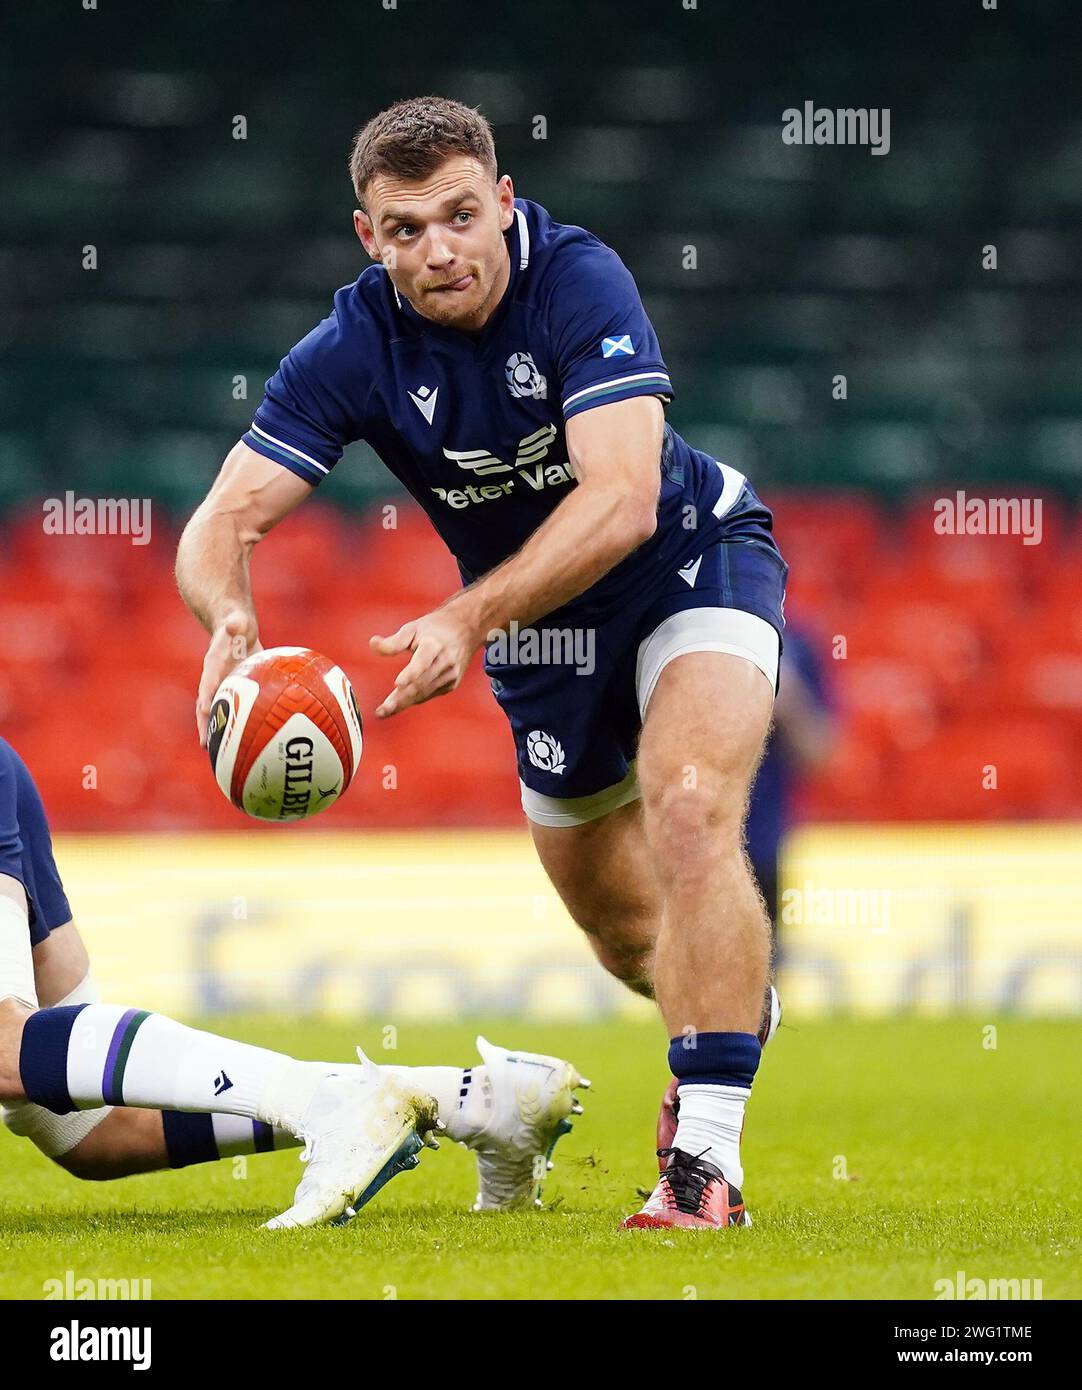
(690,1194)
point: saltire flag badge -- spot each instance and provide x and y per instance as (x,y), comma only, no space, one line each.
(617,347)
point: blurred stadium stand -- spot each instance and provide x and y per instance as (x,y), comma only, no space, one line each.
(216,254)
(956,655)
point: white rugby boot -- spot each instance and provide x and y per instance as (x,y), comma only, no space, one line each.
(528,1099)
(360,1128)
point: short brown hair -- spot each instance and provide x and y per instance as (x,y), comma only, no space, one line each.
(412,138)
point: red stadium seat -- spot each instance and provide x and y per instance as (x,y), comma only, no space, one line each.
(837,534)
(919,632)
(850,785)
(960,652)
(1024,755)
(401,564)
(893,700)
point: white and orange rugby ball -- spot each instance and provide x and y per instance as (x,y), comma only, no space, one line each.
(284,734)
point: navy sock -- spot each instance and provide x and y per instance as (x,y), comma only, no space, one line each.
(189,1138)
(43,1057)
(715,1059)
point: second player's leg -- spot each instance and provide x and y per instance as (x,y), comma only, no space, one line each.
(116,1142)
(478,1105)
(122,1141)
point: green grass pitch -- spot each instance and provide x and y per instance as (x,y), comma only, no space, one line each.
(955,1157)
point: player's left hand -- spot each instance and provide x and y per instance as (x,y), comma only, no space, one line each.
(442,644)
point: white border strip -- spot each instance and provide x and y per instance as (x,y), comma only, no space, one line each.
(728,630)
(562,812)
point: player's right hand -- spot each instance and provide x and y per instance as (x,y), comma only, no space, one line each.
(234,639)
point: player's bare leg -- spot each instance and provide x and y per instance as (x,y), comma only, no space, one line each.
(623,887)
(13,1014)
(17,996)
(604,876)
(701,741)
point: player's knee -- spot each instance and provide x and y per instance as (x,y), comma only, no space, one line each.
(620,937)
(691,819)
(632,966)
(63,1138)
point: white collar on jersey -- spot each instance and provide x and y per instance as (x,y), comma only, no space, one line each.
(523,248)
(523,240)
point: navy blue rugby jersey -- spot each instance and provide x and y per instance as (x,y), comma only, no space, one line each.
(473,424)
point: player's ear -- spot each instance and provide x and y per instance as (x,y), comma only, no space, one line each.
(362,225)
(505,196)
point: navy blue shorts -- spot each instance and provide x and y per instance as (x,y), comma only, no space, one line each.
(26,848)
(576,696)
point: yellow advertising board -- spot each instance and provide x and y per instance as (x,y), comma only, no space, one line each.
(417,923)
(933,918)
(429,923)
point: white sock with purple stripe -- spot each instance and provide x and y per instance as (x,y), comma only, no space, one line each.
(219,1097)
(103,1054)
(236,1134)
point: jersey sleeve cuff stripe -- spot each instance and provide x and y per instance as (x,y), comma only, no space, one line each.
(288,460)
(307,458)
(640,381)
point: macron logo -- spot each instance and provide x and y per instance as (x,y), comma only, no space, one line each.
(425,400)
(691,572)
(222,1083)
